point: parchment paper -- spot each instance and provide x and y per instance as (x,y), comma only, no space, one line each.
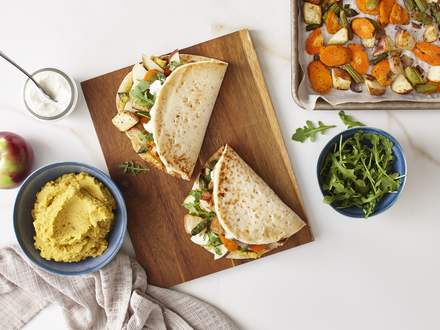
(335,97)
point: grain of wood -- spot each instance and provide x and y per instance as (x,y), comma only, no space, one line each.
(243,117)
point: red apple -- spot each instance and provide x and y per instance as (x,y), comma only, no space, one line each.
(15,160)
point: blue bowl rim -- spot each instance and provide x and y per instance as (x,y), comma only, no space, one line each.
(377,131)
(114,189)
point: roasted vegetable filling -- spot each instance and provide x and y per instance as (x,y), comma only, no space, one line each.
(203,225)
(136,102)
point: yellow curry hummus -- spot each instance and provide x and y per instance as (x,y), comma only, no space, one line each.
(72,217)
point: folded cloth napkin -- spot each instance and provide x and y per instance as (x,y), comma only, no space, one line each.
(116,297)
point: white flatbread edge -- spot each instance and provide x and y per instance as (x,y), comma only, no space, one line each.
(246,207)
(188,144)
(181,113)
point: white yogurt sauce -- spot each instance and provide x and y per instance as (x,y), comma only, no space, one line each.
(155,87)
(56,85)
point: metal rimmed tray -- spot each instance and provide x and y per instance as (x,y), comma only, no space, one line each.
(297,75)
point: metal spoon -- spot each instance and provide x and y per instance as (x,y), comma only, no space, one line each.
(46,93)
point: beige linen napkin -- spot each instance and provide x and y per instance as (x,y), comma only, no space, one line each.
(116,297)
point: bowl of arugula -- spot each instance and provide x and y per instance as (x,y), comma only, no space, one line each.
(361,172)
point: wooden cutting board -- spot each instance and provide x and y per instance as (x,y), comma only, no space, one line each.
(243,117)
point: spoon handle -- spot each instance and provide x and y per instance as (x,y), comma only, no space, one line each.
(7,58)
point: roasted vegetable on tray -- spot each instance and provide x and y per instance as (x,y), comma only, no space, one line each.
(373,46)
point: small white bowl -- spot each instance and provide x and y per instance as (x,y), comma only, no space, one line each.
(70,107)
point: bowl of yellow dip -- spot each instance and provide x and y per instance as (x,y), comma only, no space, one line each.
(69,218)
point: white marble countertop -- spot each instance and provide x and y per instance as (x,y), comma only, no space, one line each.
(377,274)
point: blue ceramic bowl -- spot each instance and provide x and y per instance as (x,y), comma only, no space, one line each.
(399,166)
(24,228)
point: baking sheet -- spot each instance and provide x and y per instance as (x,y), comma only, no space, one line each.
(309,99)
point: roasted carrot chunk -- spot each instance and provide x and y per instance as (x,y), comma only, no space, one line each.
(399,15)
(229,244)
(362,6)
(260,248)
(150,74)
(319,76)
(363,28)
(314,42)
(385,9)
(332,22)
(335,55)
(382,72)
(359,58)
(428,53)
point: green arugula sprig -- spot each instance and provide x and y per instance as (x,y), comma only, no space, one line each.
(194,207)
(348,120)
(358,172)
(309,131)
(215,242)
(141,94)
(132,168)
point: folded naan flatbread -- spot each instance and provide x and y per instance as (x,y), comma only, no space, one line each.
(234,213)
(164,105)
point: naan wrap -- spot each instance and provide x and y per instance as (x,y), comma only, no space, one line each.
(164,105)
(234,213)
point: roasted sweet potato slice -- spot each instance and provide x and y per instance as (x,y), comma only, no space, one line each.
(332,22)
(363,28)
(399,15)
(385,8)
(359,58)
(319,77)
(362,6)
(335,55)
(382,72)
(229,244)
(428,53)
(314,42)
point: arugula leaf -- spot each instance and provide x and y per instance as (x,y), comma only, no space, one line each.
(141,94)
(214,241)
(194,207)
(349,120)
(357,172)
(309,131)
(345,172)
